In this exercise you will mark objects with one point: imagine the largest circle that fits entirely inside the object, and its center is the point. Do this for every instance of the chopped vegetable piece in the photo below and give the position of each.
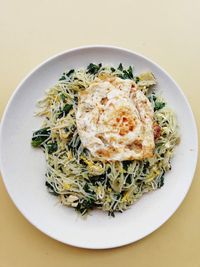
(40, 136)
(93, 69)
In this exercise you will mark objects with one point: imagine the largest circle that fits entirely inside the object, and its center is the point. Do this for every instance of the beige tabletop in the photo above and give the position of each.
(167, 32)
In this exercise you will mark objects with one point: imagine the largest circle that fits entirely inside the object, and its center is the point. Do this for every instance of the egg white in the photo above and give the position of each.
(115, 120)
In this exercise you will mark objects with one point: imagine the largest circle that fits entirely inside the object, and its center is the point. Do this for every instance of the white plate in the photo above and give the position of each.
(23, 168)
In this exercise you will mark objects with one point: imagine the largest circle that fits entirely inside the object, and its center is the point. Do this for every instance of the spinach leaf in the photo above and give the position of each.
(51, 189)
(145, 167)
(126, 164)
(65, 110)
(40, 136)
(86, 188)
(120, 67)
(63, 97)
(52, 147)
(93, 69)
(137, 79)
(65, 75)
(129, 179)
(130, 72)
(159, 105)
(111, 213)
(76, 99)
(161, 181)
(85, 205)
(98, 178)
(68, 74)
(126, 74)
(154, 98)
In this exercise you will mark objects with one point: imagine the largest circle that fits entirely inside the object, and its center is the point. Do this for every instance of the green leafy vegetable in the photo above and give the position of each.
(137, 79)
(85, 205)
(126, 73)
(154, 98)
(98, 179)
(159, 105)
(161, 181)
(40, 136)
(93, 69)
(65, 110)
(70, 73)
(120, 67)
(145, 167)
(86, 188)
(129, 179)
(63, 97)
(111, 213)
(130, 72)
(65, 75)
(51, 189)
(126, 164)
(52, 147)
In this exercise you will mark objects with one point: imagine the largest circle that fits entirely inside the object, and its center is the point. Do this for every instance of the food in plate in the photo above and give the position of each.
(107, 136)
(115, 120)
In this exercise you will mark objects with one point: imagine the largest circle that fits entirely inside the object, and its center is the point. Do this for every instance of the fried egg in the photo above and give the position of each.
(115, 120)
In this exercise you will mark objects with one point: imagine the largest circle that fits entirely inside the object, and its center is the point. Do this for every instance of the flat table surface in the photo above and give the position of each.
(167, 32)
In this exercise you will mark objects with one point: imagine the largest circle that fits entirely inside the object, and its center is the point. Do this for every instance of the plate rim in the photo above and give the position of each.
(81, 48)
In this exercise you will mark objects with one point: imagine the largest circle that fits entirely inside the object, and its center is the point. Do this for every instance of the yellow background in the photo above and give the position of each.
(166, 31)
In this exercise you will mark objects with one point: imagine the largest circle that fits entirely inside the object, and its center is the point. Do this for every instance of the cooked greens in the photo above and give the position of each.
(40, 136)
